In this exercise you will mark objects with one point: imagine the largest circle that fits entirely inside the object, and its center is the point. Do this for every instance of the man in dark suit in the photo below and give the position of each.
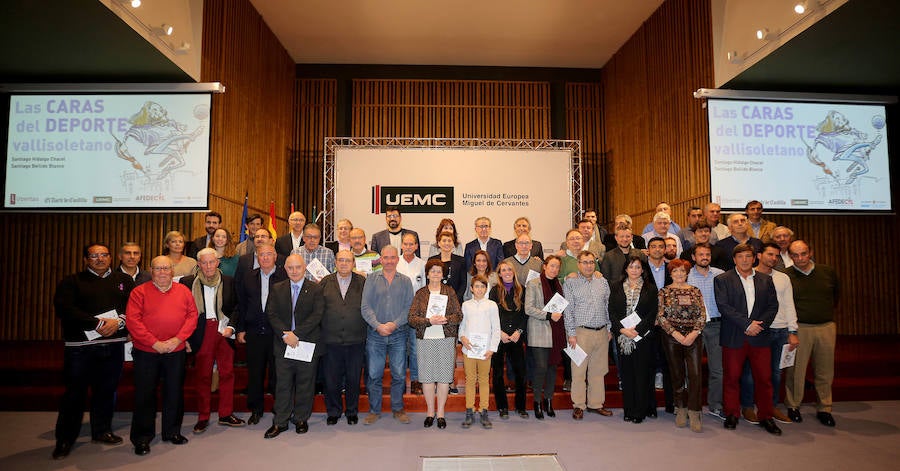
(286, 244)
(211, 224)
(250, 261)
(748, 304)
(295, 311)
(609, 241)
(394, 233)
(211, 342)
(522, 226)
(485, 242)
(613, 265)
(253, 327)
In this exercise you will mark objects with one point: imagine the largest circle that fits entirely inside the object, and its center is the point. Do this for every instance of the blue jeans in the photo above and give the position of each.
(711, 334)
(411, 352)
(777, 339)
(394, 348)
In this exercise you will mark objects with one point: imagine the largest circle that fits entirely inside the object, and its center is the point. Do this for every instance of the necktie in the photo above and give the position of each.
(295, 292)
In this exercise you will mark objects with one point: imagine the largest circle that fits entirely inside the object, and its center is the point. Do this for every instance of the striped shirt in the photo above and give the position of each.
(705, 284)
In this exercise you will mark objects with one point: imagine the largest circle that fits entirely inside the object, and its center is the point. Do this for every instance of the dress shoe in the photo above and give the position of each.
(794, 415)
(401, 416)
(62, 450)
(567, 385)
(780, 417)
(750, 415)
(547, 407)
(578, 414)
(177, 439)
(275, 430)
(538, 414)
(331, 420)
(825, 418)
(302, 426)
(652, 414)
(231, 421)
(453, 389)
(628, 418)
(142, 449)
(352, 419)
(429, 421)
(602, 411)
(201, 426)
(731, 422)
(770, 426)
(522, 413)
(504, 413)
(441, 422)
(254, 418)
(107, 438)
(637, 420)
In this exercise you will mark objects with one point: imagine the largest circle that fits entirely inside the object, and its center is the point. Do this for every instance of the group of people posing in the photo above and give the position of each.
(332, 313)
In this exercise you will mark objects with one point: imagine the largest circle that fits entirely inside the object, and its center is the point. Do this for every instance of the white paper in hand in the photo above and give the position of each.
(437, 306)
(787, 356)
(364, 266)
(93, 334)
(479, 344)
(302, 352)
(577, 354)
(631, 321)
(317, 270)
(556, 304)
(532, 275)
(223, 324)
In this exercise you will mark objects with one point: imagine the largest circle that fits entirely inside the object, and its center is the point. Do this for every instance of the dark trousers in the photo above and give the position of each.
(296, 388)
(685, 372)
(259, 357)
(149, 368)
(544, 374)
(760, 365)
(343, 369)
(661, 364)
(637, 379)
(516, 355)
(99, 368)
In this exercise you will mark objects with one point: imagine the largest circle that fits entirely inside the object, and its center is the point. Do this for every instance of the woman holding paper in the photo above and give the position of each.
(435, 314)
(225, 250)
(633, 303)
(682, 316)
(173, 247)
(454, 265)
(481, 265)
(479, 333)
(509, 295)
(546, 334)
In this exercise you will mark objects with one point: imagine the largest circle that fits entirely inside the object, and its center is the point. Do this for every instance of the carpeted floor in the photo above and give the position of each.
(866, 437)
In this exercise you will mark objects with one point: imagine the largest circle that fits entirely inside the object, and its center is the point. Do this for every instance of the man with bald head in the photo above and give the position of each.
(293, 240)
(816, 290)
(367, 261)
(295, 310)
(712, 212)
(663, 207)
(160, 317)
(523, 226)
(344, 335)
(386, 299)
(782, 236)
(250, 261)
(739, 228)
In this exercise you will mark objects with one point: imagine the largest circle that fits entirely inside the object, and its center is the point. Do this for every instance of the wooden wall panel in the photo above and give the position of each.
(656, 145)
(584, 122)
(446, 108)
(315, 106)
(251, 140)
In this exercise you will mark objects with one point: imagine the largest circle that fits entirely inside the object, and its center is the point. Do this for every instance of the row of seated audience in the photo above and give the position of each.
(340, 310)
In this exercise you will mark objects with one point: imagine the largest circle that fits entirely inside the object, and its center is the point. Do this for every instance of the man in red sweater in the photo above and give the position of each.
(161, 315)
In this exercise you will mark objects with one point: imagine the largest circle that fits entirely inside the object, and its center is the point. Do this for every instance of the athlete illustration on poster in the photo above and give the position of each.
(155, 144)
(845, 144)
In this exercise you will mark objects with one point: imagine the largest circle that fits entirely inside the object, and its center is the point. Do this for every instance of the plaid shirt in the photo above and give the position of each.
(588, 303)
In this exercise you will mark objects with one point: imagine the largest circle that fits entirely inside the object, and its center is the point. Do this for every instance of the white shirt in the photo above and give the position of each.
(481, 317)
(787, 315)
(786, 259)
(749, 290)
(415, 270)
(209, 302)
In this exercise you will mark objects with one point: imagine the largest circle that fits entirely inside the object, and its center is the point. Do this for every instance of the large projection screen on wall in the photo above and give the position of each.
(814, 157)
(430, 184)
(87, 151)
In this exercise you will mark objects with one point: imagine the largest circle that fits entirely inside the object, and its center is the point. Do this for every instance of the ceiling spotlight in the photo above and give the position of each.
(800, 8)
(168, 29)
(761, 33)
(135, 3)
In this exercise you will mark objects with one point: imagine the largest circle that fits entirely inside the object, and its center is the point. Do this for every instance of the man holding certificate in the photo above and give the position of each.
(587, 322)
(295, 310)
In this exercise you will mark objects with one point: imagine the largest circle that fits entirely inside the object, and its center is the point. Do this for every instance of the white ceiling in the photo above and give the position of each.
(523, 33)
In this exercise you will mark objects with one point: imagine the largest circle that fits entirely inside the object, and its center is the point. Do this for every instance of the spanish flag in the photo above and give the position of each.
(272, 221)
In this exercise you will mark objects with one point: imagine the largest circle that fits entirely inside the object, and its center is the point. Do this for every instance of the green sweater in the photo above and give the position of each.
(816, 294)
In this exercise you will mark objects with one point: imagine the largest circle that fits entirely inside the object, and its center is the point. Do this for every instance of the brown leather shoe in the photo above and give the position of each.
(750, 415)
(779, 416)
(577, 414)
(602, 411)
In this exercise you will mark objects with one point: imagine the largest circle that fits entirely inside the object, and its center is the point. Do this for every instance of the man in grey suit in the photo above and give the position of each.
(394, 233)
(295, 310)
(344, 336)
